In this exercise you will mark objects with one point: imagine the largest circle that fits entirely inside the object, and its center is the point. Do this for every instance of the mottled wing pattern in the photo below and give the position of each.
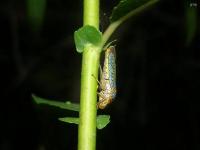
(108, 79)
(112, 67)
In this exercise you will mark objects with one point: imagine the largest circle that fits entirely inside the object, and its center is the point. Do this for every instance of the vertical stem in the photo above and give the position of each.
(91, 13)
(90, 65)
(87, 124)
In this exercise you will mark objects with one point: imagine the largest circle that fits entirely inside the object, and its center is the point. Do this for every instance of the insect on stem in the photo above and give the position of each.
(107, 79)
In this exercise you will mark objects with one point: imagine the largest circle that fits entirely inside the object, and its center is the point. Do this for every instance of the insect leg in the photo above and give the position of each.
(101, 84)
(102, 96)
(96, 80)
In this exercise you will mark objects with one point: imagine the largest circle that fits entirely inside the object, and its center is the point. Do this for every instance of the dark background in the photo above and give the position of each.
(158, 78)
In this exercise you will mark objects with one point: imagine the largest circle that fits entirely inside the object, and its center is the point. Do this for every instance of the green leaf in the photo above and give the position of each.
(35, 13)
(128, 8)
(74, 120)
(63, 105)
(191, 23)
(102, 120)
(87, 35)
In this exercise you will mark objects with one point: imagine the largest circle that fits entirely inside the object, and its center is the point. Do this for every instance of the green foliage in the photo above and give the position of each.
(63, 105)
(35, 12)
(87, 35)
(123, 11)
(126, 7)
(102, 120)
(73, 120)
(191, 23)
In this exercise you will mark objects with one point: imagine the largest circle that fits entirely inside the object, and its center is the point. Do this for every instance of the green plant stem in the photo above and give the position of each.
(88, 99)
(114, 25)
(91, 13)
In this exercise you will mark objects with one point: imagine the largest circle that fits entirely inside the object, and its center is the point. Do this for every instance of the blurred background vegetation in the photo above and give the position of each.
(158, 70)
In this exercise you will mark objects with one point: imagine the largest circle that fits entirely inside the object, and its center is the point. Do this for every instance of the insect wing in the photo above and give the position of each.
(112, 66)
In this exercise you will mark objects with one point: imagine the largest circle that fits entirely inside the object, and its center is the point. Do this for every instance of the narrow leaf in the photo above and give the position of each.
(87, 35)
(102, 120)
(63, 105)
(191, 23)
(74, 120)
